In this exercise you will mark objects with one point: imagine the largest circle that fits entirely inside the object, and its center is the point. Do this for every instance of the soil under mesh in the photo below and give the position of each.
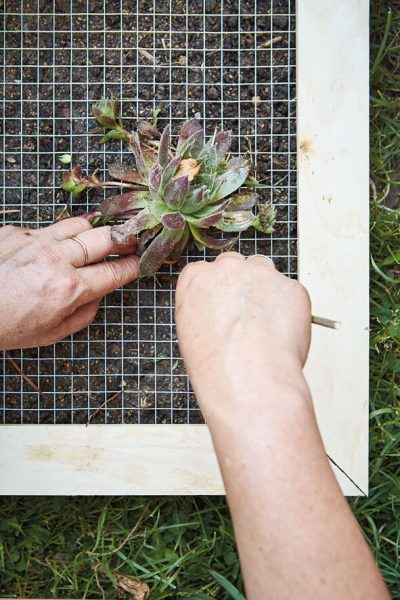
(235, 70)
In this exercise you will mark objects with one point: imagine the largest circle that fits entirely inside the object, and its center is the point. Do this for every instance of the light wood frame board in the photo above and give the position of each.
(333, 182)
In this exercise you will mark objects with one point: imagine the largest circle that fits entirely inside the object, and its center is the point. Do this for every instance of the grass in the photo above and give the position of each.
(184, 547)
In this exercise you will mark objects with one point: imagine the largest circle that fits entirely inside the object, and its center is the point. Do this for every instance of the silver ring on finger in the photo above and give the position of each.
(84, 248)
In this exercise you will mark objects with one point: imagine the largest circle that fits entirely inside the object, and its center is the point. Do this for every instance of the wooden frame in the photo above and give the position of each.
(332, 120)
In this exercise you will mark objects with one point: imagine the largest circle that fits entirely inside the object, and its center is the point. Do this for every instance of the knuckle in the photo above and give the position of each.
(229, 268)
(64, 287)
(189, 273)
(300, 291)
(116, 271)
(85, 223)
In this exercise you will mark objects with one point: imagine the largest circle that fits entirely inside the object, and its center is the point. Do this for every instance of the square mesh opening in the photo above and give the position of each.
(229, 62)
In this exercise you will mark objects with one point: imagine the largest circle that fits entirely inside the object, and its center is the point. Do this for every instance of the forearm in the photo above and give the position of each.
(296, 535)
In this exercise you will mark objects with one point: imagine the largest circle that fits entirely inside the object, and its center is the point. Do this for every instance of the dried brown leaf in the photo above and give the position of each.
(138, 589)
(189, 167)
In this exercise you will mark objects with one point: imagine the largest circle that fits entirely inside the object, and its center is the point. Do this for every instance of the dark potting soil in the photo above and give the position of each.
(186, 58)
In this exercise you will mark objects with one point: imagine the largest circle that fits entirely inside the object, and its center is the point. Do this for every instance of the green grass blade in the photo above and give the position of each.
(227, 585)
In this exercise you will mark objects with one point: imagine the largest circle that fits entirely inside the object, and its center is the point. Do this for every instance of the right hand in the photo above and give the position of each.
(239, 319)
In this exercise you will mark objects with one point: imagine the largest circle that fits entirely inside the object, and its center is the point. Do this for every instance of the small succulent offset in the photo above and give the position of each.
(175, 193)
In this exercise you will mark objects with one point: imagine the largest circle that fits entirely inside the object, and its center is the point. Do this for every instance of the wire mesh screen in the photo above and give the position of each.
(229, 62)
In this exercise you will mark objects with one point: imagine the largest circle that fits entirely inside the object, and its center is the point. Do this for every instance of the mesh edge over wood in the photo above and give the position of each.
(231, 63)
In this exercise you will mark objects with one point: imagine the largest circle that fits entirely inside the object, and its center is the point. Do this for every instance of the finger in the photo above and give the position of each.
(79, 319)
(103, 278)
(67, 228)
(98, 245)
(262, 260)
(229, 256)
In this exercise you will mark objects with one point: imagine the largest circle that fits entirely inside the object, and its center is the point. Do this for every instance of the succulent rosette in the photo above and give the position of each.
(176, 193)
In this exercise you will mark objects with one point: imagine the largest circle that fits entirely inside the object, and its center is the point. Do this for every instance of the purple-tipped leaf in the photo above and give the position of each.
(124, 203)
(159, 250)
(236, 221)
(242, 201)
(205, 222)
(222, 143)
(173, 220)
(193, 145)
(147, 130)
(155, 181)
(171, 169)
(234, 176)
(103, 119)
(146, 236)
(187, 130)
(163, 157)
(176, 191)
(211, 209)
(179, 246)
(124, 172)
(125, 234)
(138, 154)
(204, 239)
(106, 112)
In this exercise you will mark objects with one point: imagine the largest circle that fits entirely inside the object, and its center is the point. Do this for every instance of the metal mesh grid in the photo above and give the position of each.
(231, 61)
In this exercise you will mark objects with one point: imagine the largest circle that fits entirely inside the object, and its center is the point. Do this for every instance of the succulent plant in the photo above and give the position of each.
(106, 113)
(175, 193)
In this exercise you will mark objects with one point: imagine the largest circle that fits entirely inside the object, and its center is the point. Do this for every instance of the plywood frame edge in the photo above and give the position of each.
(333, 220)
(332, 124)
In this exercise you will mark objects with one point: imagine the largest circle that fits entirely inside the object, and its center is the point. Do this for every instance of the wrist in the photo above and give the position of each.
(251, 389)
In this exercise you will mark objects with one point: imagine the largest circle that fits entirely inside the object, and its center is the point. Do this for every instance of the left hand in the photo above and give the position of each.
(51, 286)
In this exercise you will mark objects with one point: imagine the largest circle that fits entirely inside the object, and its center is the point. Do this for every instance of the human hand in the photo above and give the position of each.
(50, 290)
(240, 321)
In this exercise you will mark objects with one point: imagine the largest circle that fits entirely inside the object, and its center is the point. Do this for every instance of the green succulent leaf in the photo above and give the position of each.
(208, 241)
(176, 191)
(171, 169)
(124, 203)
(159, 250)
(197, 200)
(125, 172)
(266, 219)
(106, 112)
(125, 233)
(205, 222)
(74, 182)
(218, 147)
(242, 201)
(234, 176)
(209, 216)
(114, 134)
(252, 182)
(236, 221)
(211, 209)
(193, 146)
